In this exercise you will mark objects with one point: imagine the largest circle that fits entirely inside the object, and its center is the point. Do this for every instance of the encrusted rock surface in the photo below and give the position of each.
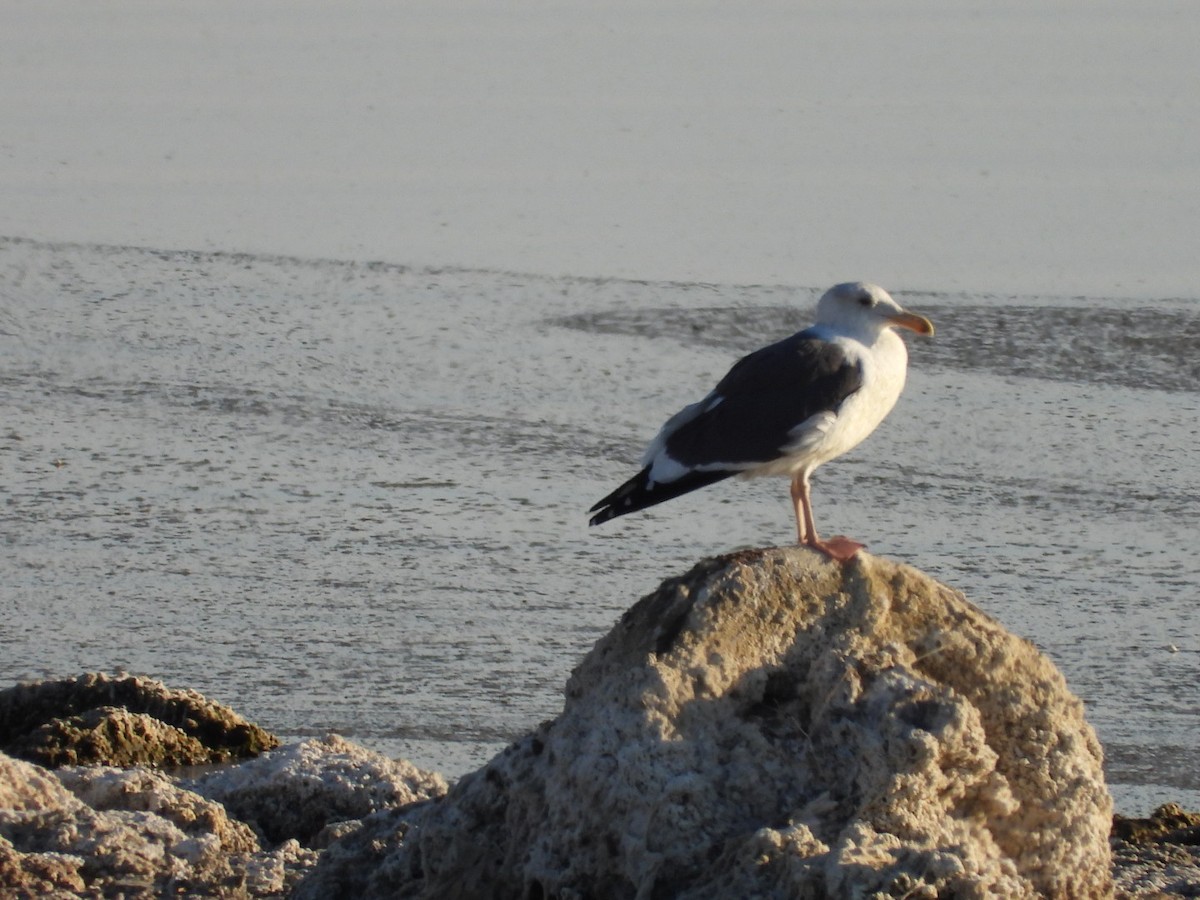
(107, 832)
(296, 791)
(768, 725)
(241, 831)
(1157, 857)
(97, 719)
(773, 725)
(109, 736)
(96, 830)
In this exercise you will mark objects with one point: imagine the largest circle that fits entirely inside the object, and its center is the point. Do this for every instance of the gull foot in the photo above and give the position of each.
(840, 548)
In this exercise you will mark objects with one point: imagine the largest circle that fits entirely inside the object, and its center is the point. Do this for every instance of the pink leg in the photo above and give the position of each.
(839, 548)
(800, 501)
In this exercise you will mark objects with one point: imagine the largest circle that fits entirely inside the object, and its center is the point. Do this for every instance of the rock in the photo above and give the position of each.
(26, 791)
(1169, 823)
(106, 832)
(105, 789)
(296, 791)
(128, 720)
(109, 736)
(93, 830)
(38, 876)
(1158, 857)
(772, 725)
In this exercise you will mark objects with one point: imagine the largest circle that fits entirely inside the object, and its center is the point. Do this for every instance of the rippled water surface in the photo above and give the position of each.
(351, 496)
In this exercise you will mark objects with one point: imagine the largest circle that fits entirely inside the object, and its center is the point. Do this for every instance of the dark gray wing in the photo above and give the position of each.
(764, 397)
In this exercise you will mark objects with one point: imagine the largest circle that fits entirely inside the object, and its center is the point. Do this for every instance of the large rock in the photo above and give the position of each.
(773, 725)
(97, 719)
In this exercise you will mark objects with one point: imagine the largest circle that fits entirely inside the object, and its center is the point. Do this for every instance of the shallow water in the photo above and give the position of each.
(351, 496)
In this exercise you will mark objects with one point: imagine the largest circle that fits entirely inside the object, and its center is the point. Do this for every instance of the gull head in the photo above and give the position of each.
(861, 308)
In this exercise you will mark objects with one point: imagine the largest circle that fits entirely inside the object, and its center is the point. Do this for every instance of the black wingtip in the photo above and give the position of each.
(639, 493)
(601, 517)
(621, 500)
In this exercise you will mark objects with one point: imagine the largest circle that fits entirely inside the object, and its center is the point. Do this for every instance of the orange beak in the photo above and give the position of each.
(912, 322)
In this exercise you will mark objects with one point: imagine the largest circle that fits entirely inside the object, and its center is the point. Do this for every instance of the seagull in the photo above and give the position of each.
(784, 410)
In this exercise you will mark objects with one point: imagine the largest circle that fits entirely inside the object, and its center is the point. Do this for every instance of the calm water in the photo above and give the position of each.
(351, 496)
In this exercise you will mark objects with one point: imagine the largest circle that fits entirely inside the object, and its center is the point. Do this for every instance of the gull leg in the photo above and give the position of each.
(800, 501)
(839, 548)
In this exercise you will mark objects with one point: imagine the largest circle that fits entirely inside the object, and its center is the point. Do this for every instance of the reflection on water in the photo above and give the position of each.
(350, 496)
(1131, 346)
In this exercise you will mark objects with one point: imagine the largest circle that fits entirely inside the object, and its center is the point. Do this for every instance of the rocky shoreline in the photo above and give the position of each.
(767, 724)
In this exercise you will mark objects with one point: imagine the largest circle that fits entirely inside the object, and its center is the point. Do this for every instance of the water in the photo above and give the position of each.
(351, 496)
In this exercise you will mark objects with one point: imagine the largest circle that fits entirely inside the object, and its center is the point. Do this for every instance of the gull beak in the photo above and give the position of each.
(912, 322)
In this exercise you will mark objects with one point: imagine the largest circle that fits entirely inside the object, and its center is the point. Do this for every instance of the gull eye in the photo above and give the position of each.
(866, 300)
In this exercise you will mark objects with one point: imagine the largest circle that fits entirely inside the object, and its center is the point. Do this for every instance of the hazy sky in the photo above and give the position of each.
(1013, 146)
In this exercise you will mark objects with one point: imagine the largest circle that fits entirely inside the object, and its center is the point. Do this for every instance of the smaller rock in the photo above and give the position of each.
(276, 872)
(127, 720)
(109, 832)
(98, 830)
(1169, 823)
(109, 736)
(1158, 857)
(29, 788)
(298, 790)
(25, 791)
(106, 789)
(50, 876)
